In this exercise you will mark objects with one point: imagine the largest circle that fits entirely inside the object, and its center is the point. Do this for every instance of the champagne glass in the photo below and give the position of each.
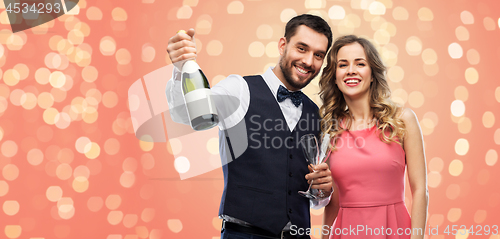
(311, 152)
(324, 154)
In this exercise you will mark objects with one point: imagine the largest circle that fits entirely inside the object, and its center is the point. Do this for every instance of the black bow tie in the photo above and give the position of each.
(295, 96)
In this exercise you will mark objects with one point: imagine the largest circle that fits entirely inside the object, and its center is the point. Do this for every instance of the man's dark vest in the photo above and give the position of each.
(261, 185)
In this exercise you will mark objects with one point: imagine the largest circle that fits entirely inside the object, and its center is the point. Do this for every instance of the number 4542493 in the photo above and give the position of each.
(33, 8)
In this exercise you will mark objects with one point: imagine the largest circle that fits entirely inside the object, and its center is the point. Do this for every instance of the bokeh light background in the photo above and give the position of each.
(71, 166)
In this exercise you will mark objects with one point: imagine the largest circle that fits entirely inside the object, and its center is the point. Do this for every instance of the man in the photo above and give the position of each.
(261, 182)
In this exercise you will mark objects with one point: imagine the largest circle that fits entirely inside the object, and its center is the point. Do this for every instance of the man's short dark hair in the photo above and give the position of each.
(316, 23)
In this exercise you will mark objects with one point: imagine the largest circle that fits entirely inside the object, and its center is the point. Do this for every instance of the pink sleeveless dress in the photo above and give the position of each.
(370, 177)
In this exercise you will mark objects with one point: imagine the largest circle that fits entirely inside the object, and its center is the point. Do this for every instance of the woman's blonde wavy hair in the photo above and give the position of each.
(334, 109)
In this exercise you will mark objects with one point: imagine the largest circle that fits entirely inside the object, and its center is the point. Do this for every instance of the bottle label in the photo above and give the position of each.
(199, 102)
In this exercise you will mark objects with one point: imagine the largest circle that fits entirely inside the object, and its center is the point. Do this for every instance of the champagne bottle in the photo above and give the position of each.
(197, 95)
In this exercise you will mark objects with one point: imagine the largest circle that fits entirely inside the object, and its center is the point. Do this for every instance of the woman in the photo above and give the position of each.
(374, 140)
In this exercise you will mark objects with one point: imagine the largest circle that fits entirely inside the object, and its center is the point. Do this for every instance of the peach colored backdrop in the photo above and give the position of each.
(71, 166)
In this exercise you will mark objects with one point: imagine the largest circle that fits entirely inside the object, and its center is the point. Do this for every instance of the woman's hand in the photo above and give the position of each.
(322, 178)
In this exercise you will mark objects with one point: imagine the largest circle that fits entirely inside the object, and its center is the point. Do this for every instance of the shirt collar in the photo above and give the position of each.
(272, 81)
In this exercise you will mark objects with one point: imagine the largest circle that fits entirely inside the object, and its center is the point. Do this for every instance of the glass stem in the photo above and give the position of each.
(309, 189)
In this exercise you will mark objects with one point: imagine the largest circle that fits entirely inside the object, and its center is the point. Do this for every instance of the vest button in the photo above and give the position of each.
(289, 192)
(291, 156)
(291, 139)
(289, 210)
(290, 174)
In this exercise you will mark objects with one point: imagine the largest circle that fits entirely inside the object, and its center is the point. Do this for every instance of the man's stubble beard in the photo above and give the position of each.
(287, 73)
